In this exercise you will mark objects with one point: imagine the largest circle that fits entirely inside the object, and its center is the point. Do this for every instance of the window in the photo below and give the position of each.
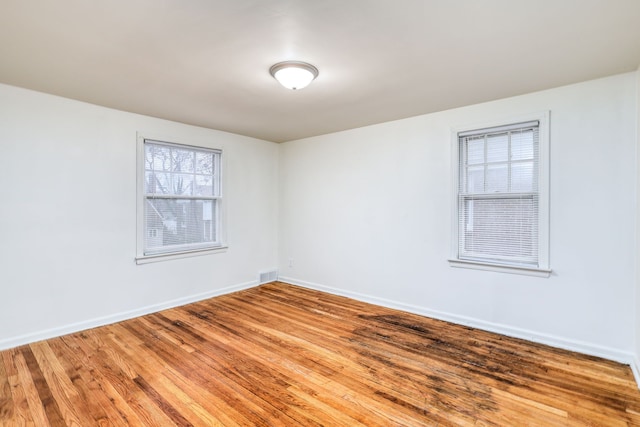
(179, 206)
(502, 198)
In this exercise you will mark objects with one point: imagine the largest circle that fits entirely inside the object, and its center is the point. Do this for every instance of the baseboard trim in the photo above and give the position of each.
(554, 341)
(125, 315)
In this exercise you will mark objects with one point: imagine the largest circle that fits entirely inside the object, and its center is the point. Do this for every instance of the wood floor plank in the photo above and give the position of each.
(174, 401)
(29, 377)
(281, 355)
(111, 401)
(248, 404)
(21, 415)
(7, 404)
(121, 379)
(216, 407)
(59, 384)
(86, 381)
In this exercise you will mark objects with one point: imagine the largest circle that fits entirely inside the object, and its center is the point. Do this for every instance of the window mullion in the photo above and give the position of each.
(486, 166)
(509, 161)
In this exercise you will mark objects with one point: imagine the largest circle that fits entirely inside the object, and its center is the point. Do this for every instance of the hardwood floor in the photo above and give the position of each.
(280, 355)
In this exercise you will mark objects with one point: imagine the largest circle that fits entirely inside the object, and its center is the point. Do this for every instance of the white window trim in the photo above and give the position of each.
(543, 269)
(141, 258)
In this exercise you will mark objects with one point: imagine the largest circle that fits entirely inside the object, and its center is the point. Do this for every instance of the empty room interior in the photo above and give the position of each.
(319, 213)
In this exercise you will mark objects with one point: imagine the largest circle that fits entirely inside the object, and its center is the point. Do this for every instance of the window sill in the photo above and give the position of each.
(512, 269)
(146, 259)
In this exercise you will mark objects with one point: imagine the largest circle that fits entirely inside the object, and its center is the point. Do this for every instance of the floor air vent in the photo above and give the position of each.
(268, 276)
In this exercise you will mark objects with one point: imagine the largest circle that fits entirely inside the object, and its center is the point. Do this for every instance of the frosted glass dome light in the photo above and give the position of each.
(294, 74)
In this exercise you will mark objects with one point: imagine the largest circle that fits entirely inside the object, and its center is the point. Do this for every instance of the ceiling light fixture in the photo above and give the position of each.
(294, 74)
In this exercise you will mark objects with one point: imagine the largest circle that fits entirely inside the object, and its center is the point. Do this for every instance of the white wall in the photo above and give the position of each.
(68, 217)
(367, 213)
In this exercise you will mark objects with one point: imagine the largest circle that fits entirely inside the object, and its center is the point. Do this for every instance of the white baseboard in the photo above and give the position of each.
(554, 341)
(125, 315)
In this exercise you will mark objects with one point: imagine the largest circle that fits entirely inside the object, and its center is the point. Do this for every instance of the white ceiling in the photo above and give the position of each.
(206, 62)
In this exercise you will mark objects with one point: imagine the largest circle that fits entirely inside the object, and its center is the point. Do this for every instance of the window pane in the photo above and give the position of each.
(204, 185)
(204, 163)
(497, 178)
(522, 145)
(498, 148)
(475, 179)
(159, 156)
(182, 160)
(157, 183)
(148, 157)
(501, 228)
(171, 222)
(150, 183)
(475, 150)
(182, 184)
(522, 177)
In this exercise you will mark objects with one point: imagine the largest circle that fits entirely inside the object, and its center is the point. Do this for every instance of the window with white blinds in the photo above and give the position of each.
(181, 198)
(498, 197)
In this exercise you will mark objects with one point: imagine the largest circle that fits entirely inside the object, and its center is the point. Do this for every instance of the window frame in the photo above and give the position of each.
(543, 268)
(141, 198)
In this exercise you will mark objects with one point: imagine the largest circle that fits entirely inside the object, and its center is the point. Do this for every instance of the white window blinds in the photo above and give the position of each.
(498, 198)
(181, 198)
